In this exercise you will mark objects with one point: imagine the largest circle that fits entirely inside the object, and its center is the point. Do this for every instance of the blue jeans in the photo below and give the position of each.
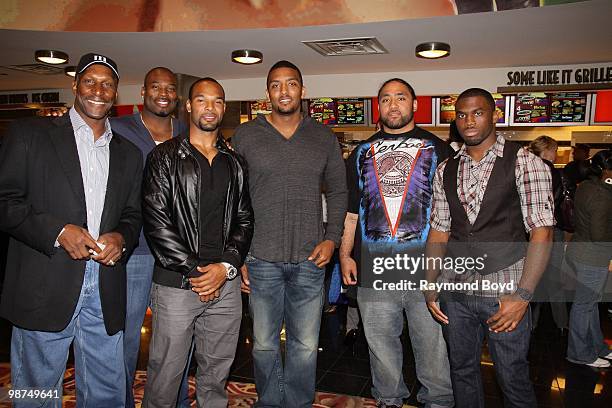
(464, 333)
(292, 292)
(139, 277)
(586, 341)
(38, 359)
(382, 314)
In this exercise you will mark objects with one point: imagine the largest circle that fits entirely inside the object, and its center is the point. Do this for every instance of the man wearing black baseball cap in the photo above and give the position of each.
(90, 59)
(70, 201)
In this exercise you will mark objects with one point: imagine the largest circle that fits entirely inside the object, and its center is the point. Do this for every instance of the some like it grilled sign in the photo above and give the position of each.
(589, 75)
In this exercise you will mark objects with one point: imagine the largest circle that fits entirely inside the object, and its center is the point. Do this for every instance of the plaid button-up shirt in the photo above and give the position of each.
(534, 186)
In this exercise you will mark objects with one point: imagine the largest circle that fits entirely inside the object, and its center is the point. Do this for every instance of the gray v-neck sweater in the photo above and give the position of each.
(286, 177)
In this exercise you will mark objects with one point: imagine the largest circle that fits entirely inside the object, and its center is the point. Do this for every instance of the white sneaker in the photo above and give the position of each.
(608, 356)
(599, 363)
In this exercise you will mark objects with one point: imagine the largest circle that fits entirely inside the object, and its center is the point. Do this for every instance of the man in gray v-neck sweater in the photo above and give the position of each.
(285, 180)
(285, 268)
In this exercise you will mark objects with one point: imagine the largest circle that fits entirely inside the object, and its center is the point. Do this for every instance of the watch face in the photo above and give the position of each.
(232, 272)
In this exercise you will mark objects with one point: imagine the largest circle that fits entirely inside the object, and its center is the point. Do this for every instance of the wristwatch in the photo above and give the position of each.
(230, 271)
(524, 294)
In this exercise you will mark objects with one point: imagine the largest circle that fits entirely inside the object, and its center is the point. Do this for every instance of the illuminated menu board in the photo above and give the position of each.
(500, 107)
(323, 110)
(531, 108)
(446, 112)
(351, 111)
(551, 109)
(338, 111)
(261, 107)
(568, 107)
(446, 109)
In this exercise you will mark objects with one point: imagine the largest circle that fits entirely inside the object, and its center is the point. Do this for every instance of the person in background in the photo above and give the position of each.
(146, 129)
(545, 147)
(289, 156)
(590, 251)
(70, 200)
(576, 171)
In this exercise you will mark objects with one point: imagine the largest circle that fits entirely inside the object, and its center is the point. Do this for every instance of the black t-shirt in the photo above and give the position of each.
(214, 182)
(390, 187)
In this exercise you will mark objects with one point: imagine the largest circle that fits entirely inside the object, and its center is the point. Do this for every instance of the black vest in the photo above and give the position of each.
(498, 234)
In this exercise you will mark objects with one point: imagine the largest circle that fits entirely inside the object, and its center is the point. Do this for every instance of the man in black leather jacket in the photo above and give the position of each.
(198, 221)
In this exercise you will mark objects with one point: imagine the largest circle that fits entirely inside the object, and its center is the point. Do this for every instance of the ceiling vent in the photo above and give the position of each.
(38, 69)
(347, 46)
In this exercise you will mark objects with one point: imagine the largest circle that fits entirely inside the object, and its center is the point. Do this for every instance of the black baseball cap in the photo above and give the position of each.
(90, 59)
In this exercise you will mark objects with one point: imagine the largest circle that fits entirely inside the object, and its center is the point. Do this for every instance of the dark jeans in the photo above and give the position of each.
(464, 334)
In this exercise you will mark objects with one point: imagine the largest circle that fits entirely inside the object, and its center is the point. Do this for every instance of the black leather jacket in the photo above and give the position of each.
(170, 195)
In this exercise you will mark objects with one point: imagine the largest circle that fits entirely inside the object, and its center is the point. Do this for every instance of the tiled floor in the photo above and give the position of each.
(558, 383)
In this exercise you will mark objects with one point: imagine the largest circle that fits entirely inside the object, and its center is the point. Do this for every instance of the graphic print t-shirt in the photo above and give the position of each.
(390, 188)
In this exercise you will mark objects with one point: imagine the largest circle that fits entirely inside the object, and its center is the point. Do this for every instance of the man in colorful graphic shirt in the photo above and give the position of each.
(390, 188)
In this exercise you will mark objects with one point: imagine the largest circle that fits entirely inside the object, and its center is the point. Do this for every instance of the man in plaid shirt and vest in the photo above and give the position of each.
(492, 205)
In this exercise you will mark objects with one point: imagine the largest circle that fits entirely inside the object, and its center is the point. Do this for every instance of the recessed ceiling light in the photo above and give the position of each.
(70, 71)
(51, 57)
(247, 57)
(432, 50)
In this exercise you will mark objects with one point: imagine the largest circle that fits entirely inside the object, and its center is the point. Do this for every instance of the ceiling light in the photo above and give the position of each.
(70, 71)
(432, 50)
(51, 57)
(247, 57)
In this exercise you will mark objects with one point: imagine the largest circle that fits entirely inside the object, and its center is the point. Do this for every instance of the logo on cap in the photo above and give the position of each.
(91, 58)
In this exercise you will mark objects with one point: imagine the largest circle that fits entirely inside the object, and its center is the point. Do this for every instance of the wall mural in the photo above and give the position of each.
(191, 15)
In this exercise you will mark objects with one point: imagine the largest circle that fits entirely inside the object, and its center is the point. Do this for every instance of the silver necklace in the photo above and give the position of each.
(151, 133)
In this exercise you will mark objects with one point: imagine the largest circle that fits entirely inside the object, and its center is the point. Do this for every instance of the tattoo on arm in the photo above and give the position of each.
(348, 237)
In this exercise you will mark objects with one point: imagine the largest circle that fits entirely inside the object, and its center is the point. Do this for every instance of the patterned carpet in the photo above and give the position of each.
(241, 395)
